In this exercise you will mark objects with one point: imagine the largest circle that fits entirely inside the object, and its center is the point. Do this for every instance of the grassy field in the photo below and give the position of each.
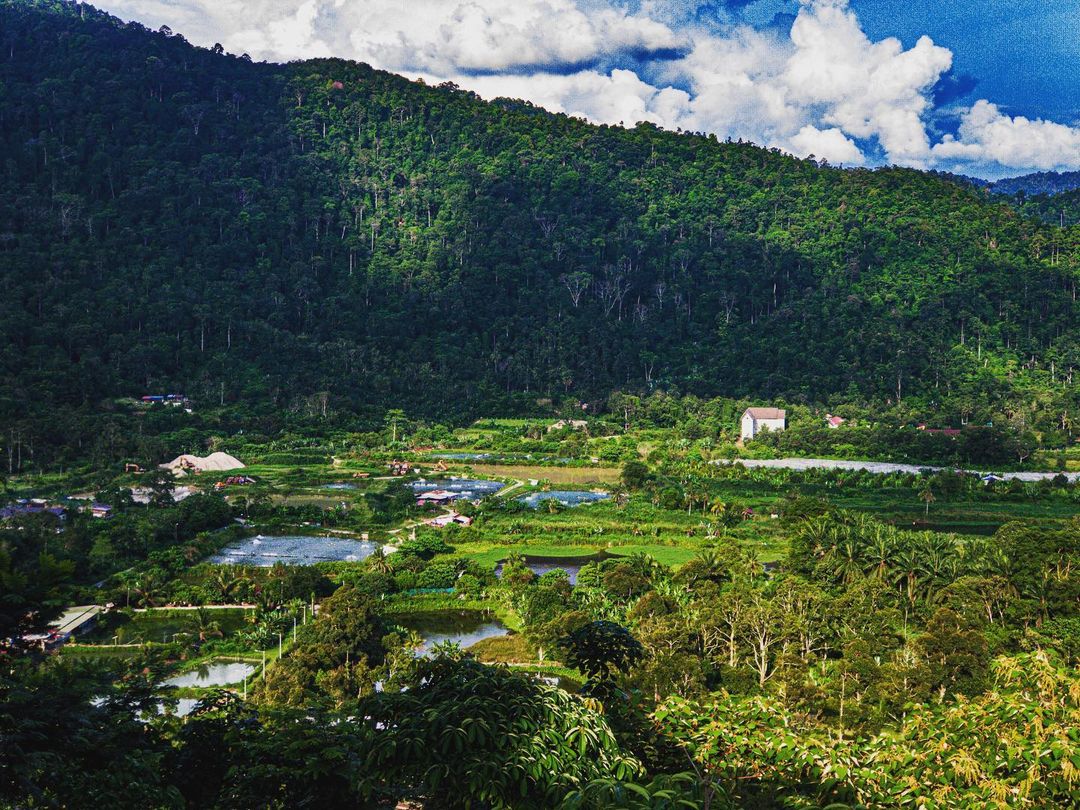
(904, 508)
(671, 536)
(667, 555)
(556, 475)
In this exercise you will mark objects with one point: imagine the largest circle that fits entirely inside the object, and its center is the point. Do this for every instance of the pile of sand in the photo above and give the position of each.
(215, 462)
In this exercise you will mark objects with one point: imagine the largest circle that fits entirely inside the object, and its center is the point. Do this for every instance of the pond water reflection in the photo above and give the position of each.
(571, 565)
(293, 550)
(463, 487)
(462, 627)
(567, 497)
(214, 673)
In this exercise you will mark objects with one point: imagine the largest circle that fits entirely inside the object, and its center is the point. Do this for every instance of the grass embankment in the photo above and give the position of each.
(903, 506)
(399, 605)
(671, 536)
(160, 625)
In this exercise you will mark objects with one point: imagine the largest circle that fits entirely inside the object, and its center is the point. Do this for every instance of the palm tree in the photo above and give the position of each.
(880, 551)
(147, 587)
(909, 567)
(847, 560)
(752, 564)
(819, 535)
(128, 579)
(203, 624)
(927, 496)
(645, 564)
(378, 562)
(226, 581)
(689, 498)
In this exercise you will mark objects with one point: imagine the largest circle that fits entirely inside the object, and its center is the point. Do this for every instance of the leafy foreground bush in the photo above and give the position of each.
(469, 735)
(1016, 745)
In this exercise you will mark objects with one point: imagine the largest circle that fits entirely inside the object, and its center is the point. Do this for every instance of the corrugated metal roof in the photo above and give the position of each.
(767, 413)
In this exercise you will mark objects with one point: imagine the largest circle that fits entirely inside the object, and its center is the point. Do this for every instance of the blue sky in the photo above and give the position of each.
(1025, 54)
(983, 87)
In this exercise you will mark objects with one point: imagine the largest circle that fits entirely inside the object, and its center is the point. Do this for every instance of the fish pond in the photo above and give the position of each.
(463, 487)
(462, 627)
(213, 673)
(184, 707)
(263, 550)
(567, 497)
(571, 565)
(461, 456)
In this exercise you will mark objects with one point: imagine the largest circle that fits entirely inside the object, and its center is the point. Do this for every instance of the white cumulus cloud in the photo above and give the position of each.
(988, 136)
(829, 144)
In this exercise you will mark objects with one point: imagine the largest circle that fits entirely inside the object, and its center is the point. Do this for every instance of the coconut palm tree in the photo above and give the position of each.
(147, 587)
(819, 535)
(202, 623)
(846, 562)
(880, 551)
(908, 569)
(927, 497)
(378, 562)
(225, 579)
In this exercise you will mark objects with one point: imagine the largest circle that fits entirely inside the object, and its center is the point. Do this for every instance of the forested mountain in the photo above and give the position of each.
(179, 218)
(1056, 209)
(1038, 183)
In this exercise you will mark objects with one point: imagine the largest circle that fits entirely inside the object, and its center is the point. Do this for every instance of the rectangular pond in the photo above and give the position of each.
(291, 549)
(471, 488)
(462, 627)
(213, 673)
(571, 565)
(567, 497)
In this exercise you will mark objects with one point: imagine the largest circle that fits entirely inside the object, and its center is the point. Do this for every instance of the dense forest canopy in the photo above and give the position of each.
(180, 219)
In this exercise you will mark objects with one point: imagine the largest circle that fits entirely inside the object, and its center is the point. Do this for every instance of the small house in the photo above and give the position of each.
(34, 506)
(755, 420)
(950, 432)
(834, 421)
(437, 497)
(77, 620)
(233, 481)
(573, 424)
(101, 510)
(450, 517)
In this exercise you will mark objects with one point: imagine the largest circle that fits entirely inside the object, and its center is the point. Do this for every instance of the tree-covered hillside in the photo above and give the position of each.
(177, 218)
(1045, 183)
(1056, 209)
